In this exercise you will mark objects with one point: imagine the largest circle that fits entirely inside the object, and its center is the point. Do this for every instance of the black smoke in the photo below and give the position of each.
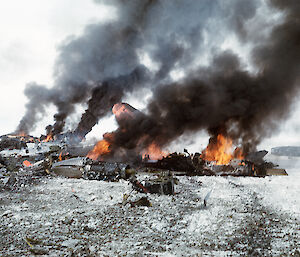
(172, 33)
(223, 96)
(105, 95)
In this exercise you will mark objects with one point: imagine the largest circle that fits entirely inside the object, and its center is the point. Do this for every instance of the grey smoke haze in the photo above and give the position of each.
(177, 35)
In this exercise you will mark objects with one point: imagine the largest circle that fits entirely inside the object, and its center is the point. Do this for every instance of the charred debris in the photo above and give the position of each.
(25, 159)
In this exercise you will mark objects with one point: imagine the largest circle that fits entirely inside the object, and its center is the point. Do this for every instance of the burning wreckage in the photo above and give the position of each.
(24, 158)
(234, 104)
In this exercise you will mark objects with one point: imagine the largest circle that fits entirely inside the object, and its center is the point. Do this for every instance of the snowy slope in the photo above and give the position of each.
(243, 217)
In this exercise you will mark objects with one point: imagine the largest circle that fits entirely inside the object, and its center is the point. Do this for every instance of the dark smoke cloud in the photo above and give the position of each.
(173, 33)
(38, 96)
(105, 64)
(81, 64)
(224, 97)
(105, 95)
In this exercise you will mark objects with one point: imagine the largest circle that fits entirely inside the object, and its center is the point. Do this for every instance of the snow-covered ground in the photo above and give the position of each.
(75, 217)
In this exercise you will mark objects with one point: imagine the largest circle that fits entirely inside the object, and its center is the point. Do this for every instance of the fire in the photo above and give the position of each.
(100, 149)
(153, 152)
(238, 154)
(21, 134)
(221, 151)
(60, 156)
(49, 138)
(27, 163)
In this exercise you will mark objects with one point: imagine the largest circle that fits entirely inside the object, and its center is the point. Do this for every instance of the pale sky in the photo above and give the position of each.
(30, 32)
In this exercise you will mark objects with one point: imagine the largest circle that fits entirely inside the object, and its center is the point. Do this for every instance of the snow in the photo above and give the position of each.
(32, 149)
(243, 217)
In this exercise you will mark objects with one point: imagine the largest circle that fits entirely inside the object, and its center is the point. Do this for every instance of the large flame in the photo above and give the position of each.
(153, 152)
(123, 111)
(100, 149)
(221, 151)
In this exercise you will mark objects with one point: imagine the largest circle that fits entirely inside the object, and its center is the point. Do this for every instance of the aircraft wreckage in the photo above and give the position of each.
(24, 159)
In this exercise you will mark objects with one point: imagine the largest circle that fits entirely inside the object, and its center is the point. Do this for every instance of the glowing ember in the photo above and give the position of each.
(27, 163)
(221, 151)
(153, 152)
(101, 148)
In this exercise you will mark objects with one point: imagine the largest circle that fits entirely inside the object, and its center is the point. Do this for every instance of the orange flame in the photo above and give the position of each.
(154, 152)
(221, 151)
(100, 149)
(49, 138)
(21, 134)
(27, 163)
(238, 154)
(60, 156)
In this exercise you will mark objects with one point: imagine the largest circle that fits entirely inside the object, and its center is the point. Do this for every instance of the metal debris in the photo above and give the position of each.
(143, 201)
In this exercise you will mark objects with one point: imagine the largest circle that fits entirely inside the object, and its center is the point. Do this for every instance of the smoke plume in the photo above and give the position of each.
(170, 32)
(224, 97)
(105, 95)
(217, 91)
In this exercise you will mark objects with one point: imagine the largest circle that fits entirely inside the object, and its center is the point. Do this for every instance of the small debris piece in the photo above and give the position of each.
(137, 185)
(72, 168)
(7, 214)
(206, 198)
(163, 185)
(276, 172)
(144, 201)
(38, 251)
(88, 229)
(31, 241)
